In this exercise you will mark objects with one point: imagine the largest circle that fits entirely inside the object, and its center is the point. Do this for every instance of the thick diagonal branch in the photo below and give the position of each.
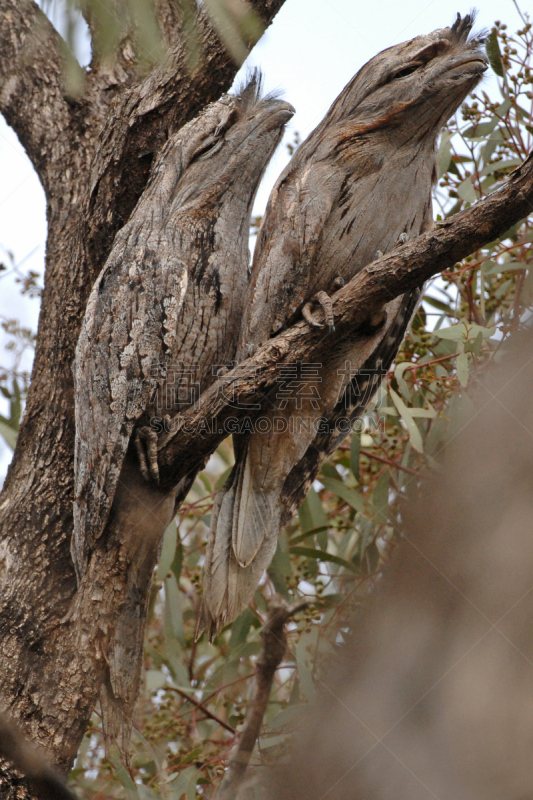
(401, 270)
(31, 97)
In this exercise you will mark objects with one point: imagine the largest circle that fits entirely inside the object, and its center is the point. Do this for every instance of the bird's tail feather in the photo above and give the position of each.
(242, 541)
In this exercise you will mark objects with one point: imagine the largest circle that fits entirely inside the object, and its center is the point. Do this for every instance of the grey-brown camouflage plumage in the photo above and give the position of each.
(170, 297)
(360, 183)
(163, 314)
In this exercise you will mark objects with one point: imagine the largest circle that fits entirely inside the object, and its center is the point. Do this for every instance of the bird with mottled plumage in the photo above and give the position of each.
(163, 316)
(170, 295)
(361, 183)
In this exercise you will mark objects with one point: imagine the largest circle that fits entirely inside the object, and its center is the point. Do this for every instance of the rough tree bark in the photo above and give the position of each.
(93, 154)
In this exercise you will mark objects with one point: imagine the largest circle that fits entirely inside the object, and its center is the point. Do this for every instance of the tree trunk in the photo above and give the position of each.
(93, 154)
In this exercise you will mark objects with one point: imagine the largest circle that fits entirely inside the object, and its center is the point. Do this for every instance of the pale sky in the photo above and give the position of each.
(309, 53)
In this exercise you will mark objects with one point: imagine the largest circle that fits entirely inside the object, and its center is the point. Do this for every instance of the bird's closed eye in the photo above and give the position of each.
(406, 71)
(210, 146)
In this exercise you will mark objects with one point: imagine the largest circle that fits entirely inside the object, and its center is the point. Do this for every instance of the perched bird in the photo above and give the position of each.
(163, 316)
(167, 306)
(360, 185)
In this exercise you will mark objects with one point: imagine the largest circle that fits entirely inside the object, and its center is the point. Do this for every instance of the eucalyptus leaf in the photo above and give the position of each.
(498, 166)
(15, 412)
(462, 368)
(155, 679)
(380, 499)
(168, 551)
(446, 347)
(467, 191)
(122, 774)
(350, 496)
(411, 426)
(475, 346)
(311, 512)
(280, 567)
(491, 144)
(173, 604)
(177, 563)
(493, 268)
(305, 676)
(8, 434)
(288, 716)
(438, 304)
(398, 374)
(425, 413)
(241, 628)
(444, 153)
(329, 470)
(322, 555)
(493, 52)
(185, 784)
(272, 741)
(235, 24)
(307, 534)
(392, 412)
(221, 480)
(146, 793)
(481, 130)
(355, 447)
(464, 331)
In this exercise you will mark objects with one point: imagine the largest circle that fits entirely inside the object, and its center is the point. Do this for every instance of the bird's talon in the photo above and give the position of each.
(146, 445)
(379, 254)
(339, 282)
(402, 238)
(327, 306)
(324, 300)
(307, 314)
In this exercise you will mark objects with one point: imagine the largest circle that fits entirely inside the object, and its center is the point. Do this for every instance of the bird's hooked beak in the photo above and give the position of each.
(479, 60)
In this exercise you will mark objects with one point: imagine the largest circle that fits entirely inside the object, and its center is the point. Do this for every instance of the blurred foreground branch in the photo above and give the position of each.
(44, 781)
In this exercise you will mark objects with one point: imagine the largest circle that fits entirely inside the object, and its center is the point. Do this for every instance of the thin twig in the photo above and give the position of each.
(274, 646)
(190, 666)
(201, 707)
(389, 461)
(44, 781)
(416, 366)
(226, 685)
